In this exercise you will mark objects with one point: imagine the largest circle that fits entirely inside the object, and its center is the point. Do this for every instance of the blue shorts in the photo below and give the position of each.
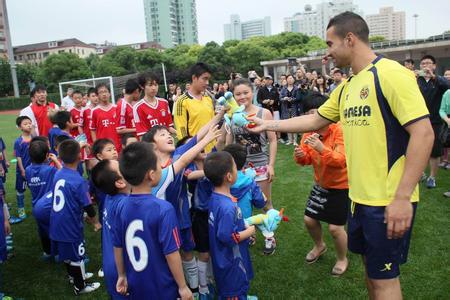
(21, 183)
(41, 212)
(187, 239)
(367, 235)
(73, 251)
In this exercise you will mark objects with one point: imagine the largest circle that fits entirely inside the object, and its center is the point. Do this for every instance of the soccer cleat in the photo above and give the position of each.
(447, 194)
(21, 213)
(281, 141)
(249, 297)
(100, 273)
(288, 143)
(423, 178)
(431, 183)
(9, 248)
(46, 257)
(15, 220)
(89, 287)
(87, 275)
(269, 246)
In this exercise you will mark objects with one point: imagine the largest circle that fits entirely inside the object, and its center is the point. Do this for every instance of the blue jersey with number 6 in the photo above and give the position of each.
(70, 196)
(146, 229)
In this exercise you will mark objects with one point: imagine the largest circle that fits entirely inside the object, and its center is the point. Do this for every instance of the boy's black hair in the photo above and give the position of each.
(61, 138)
(36, 89)
(91, 90)
(313, 101)
(104, 178)
(409, 60)
(239, 154)
(428, 56)
(131, 85)
(149, 136)
(217, 165)
(40, 138)
(60, 118)
(69, 151)
(199, 69)
(102, 85)
(20, 119)
(136, 161)
(147, 77)
(350, 22)
(124, 138)
(99, 145)
(77, 92)
(38, 151)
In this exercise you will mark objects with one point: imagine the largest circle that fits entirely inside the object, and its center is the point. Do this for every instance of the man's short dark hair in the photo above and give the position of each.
(409, 61)
(124, 138)
(239, 153)
(217, 165)
(91, 90)
(102, 85)
(38, 151)
(20, 119)
(69, 151)
(147, 78)
(313, 101)
(338, 71)
(149, 136)
(136, 161)
(350, 22)
(61, 118)
(199, 69)
(104, 178)
(430, 57)
(132, 85)
(77, 92)
(37, 88)
(99, 145)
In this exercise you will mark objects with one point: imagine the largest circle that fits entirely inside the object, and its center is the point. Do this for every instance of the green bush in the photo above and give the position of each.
(11, 103)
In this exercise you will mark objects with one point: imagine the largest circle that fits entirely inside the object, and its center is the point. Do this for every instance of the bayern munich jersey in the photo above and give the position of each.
(146, 116)
(103, 121)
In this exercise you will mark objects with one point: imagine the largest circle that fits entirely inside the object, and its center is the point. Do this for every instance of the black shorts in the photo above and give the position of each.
(328, 205)
(200, 230)
(437, 146)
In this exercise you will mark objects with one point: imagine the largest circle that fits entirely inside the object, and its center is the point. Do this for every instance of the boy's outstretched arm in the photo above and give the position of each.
(174, 262)
(190, 155)
(122, 283)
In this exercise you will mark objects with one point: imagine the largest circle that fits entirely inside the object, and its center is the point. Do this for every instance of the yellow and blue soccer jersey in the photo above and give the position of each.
(374, 107)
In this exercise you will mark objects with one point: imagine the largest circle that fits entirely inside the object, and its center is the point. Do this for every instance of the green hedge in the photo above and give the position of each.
(11, 103)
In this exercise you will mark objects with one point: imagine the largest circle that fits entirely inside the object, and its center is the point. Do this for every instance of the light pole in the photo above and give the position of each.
(9, 49)
(415, 16)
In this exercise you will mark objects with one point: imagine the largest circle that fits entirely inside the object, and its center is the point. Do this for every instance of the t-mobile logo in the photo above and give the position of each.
(105, 123)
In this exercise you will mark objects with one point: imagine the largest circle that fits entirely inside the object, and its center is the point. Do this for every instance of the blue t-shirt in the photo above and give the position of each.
(42, 210)
(39, 179)
(176, 192)
(200, 190)
(147, 231)
(248, 193)
(70, 196)
(21, 150)
(52, 134)
(3, 161)
(230, 257)
(110, 217)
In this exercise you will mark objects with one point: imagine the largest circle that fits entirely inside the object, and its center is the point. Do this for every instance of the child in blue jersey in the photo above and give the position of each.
(70, 200)
(5, 229)
(106, 177)
(175, 190)
(4, 163)
(39, 176)
(23, 160)
(146, 237)
(228, 237)
(245, 189)
(62, 123)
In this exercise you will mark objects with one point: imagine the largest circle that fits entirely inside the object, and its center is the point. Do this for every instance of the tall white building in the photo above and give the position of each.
(314, 22)
(387, 23)
(237, 30)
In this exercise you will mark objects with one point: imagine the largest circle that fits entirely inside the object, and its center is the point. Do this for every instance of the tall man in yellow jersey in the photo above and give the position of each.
(388, 139)
(194, 108)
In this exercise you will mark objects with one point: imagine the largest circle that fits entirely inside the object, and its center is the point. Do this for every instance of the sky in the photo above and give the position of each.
(122, 21)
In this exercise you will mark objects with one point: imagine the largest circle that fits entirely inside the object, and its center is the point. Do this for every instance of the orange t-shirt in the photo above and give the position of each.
(330, 169)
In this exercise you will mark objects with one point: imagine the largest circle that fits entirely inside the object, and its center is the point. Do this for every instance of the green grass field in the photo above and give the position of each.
(281, 276)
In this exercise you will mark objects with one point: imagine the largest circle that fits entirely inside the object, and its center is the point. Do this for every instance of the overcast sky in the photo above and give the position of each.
(122, 21)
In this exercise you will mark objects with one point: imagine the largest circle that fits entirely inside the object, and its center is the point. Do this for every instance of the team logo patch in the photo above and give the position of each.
(364, 93)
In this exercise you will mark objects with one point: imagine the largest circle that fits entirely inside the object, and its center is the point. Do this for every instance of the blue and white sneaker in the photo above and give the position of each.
(431, 182)
(15, 220)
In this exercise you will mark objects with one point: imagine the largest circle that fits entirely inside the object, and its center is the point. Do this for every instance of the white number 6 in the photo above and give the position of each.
(58, 200)
(132, 242)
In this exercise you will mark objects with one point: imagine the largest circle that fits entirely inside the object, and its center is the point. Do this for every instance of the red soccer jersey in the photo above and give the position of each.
(85, 122)
(124, 115)
(104, 123)
(41, 115)
(75, 114)
(146, 116)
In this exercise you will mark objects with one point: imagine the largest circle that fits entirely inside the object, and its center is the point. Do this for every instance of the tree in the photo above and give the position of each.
(148, 59)
(376, 39)
(5, 78)
(217, 58)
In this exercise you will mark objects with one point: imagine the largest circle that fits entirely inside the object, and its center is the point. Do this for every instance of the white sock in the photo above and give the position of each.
(191, 272)
(202, 280)
(209, 271)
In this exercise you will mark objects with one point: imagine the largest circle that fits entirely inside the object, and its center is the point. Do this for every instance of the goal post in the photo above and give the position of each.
(85, 84)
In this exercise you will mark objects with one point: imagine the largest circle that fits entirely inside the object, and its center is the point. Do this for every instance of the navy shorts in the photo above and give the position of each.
(187, 239)
(367, 235)
(21, 183)
(73, 251)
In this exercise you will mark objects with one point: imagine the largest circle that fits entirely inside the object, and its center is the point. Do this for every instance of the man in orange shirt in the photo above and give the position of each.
(328, 201)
